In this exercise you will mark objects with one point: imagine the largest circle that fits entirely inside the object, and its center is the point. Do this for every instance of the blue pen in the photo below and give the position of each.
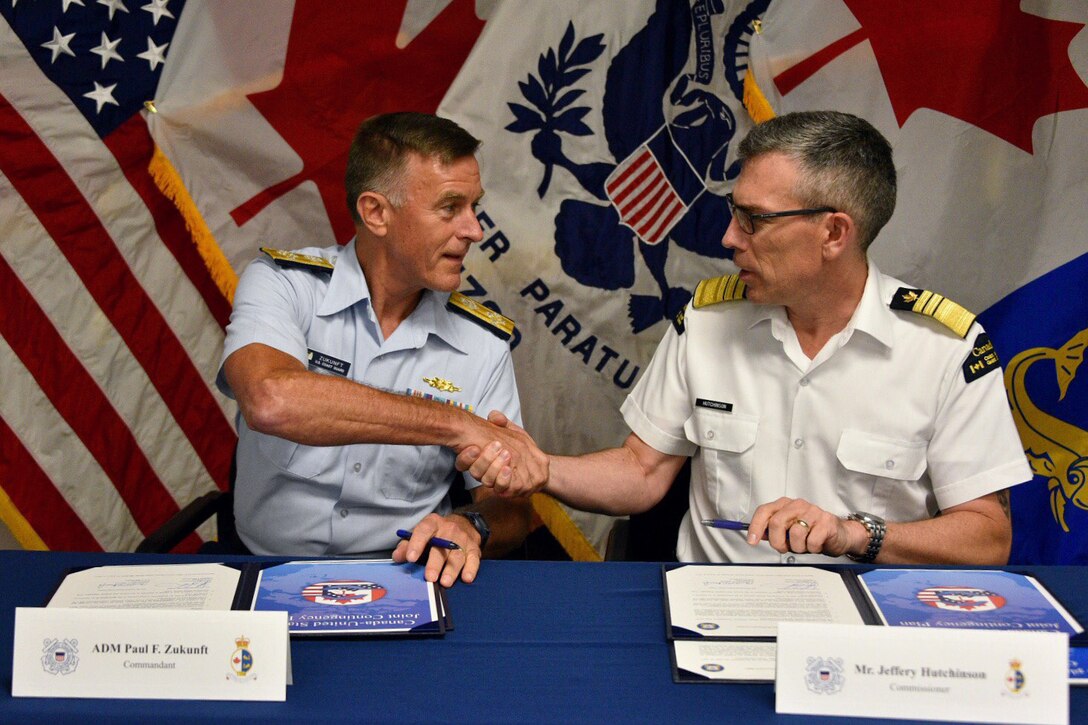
(435, 541)
(725, 524)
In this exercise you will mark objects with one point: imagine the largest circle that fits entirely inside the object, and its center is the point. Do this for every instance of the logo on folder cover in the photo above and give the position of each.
(961, 599)
(344, 593)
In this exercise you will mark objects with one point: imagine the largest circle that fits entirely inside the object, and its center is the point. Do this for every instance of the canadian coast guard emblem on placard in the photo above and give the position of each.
(241, 660)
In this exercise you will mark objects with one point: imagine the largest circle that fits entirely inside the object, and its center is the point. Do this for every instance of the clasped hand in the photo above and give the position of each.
(511, 463)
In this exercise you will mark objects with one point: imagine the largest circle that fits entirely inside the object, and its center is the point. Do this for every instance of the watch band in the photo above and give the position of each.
(876, 528)
(479, 523)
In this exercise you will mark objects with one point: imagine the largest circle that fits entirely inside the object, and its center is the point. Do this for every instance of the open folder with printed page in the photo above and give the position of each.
(342, 597)
(721, 619)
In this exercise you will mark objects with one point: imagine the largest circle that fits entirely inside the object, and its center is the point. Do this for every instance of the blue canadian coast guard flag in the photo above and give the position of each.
(149, 147)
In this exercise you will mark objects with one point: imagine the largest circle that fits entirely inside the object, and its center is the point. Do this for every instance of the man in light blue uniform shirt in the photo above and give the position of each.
(360, 373)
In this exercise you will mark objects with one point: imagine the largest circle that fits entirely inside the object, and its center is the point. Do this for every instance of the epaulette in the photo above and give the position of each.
(473, 310)
(288, 259)
(931, 304)
(726, 288)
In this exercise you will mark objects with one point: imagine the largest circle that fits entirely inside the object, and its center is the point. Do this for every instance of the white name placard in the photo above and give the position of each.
(143, 653)
(929, 674)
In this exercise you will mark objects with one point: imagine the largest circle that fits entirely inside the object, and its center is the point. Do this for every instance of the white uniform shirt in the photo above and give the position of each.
(293, 499)
(882, 420)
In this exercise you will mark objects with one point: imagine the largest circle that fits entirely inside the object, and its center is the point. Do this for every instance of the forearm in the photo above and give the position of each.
(319, 410)
(955, 537)
(978, 532)
(279, 396)
(618, 481)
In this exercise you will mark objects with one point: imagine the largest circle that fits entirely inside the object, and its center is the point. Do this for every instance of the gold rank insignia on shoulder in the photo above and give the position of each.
(442, 384)
(473, 310)
(931, 304)
(727, 288)
(284, 258)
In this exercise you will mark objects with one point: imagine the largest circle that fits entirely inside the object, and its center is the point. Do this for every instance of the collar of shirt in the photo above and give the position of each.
(872, 315)
(348, 287)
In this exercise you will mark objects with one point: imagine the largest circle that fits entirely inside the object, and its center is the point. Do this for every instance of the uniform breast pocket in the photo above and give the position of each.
(410, 472)
(879, 470)
(309, 462)
(728, 442)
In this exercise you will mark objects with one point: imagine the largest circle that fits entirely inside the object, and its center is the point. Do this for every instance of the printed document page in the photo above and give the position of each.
(171, 586)
(750, 601)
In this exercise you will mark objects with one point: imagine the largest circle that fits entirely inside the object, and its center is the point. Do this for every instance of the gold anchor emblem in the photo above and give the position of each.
(441, 384)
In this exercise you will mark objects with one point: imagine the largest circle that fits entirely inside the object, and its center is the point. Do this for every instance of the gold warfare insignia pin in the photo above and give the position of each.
(442, 384)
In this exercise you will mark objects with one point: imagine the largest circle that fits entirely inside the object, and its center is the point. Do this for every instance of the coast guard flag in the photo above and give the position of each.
(112, 325)
(609, 131)
(986, 106)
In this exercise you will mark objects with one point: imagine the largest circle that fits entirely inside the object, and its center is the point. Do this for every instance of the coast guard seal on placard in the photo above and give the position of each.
(824, 675)
(961, 599)
(60, 656)
(343, 593)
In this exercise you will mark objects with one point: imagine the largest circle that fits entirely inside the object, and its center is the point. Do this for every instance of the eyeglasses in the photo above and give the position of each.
(747, 220)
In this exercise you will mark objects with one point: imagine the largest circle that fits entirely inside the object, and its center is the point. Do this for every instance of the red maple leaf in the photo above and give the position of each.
(984, 62)
(342, 67)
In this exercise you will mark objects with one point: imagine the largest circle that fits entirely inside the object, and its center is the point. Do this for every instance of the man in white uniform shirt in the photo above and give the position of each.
(836, 410)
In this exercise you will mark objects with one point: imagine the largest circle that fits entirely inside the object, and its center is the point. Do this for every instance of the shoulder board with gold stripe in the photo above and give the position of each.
(931, 304)
(285, 258)
(473, 310)
(727, 288)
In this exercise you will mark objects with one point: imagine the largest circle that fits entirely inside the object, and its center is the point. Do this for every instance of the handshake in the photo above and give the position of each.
(501, 455)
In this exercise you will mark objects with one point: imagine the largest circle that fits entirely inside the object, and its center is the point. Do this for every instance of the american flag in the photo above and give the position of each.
(111, 324)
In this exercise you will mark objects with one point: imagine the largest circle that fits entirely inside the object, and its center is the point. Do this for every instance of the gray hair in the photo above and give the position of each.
(380, 151)
(845, 163)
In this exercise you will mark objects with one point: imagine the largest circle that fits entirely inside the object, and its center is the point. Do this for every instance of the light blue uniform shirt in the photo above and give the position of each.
(292, 499)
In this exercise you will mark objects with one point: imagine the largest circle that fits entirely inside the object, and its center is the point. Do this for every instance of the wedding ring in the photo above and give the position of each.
(802, 522)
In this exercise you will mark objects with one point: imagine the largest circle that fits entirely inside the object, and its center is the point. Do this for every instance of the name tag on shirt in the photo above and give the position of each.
(714, 405)
(328, 362)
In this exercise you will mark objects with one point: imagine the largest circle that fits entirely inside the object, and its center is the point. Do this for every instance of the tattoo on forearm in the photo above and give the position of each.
(1003, 499)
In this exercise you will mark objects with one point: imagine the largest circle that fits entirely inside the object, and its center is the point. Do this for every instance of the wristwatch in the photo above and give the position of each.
(876, 528)
(479, 523)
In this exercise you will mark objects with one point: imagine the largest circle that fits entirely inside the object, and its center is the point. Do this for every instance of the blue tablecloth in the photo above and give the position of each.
(532, 642)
